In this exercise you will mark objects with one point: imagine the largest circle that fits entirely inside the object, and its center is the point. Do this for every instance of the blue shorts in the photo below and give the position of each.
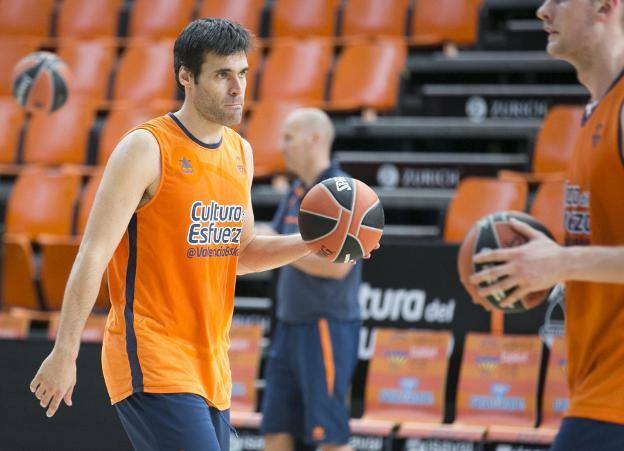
(176, 421)
(308, 375)
(583, 434)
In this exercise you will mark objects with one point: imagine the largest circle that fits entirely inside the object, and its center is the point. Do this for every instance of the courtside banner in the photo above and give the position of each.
(556, 395)
(498, 380)
(407, 375)
(244, 357)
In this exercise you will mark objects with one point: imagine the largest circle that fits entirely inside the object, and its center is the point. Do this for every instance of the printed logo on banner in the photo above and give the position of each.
(396, 358)
(498, 400)
(407, 394)
(238, 389)
(487, 364)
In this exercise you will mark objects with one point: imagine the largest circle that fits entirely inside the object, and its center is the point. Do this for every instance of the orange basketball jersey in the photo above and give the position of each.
(594, 215)
(172, 276)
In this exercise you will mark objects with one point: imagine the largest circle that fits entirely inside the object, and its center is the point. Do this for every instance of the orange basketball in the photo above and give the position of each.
(341, 219)
(41, 82)
(494, 232)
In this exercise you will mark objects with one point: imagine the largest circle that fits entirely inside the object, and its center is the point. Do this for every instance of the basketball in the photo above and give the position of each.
(341, 219)
(41, 82)
(494, 232)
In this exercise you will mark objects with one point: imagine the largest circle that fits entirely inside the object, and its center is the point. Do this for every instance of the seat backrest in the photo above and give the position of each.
(13, 50)
(11, 119)
(26, 17)
(476, 197)
(309, 18)
(158, 19)
(18, 273)
(376, 87)
(42, 201)
(244, 357)
(86, 201)
(458, 24)
(296, 70)
(255, 62)
(556, 139)
(245, 12)
(498, 380)
(120, 121)
(145, 73)
(264, 130)
(407, 374)
(13, 327)
(548, 208)
(374, 18)
(88, 19)
(90, 63)
(59, 137)
(556, 394)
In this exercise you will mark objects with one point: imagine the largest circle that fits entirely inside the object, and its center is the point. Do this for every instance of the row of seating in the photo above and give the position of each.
(165, 18)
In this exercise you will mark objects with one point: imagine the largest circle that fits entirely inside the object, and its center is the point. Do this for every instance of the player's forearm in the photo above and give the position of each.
(269, 252)
(81, 292)
(321, 267)
(594, 264)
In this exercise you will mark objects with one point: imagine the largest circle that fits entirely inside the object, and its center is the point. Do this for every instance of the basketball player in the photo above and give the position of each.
(314, 349)
(590, 35)
(173, 217)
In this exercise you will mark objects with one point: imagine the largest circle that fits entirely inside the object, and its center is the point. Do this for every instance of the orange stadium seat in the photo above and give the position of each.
(90, 63)
(255, 63)
(547, 207)
(58, 253)
(88, 19)
(406, 364)
(120, 121)
(12, 50)
(376, 87)
(309, 18)
(18, 274)
(26, 17)
(458, 25)
(476, 197)
(245, 12)
(11, 119)
(13, 327)
(60, 137)
(244, 354)
(374, 18)
(264, 130)
(145, 73)
(297, 70)
(156, 19)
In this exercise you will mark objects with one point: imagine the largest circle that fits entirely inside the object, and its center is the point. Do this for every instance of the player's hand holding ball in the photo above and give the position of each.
(341, 219)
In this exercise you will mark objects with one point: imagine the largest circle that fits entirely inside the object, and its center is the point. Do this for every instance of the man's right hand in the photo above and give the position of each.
(55, 381)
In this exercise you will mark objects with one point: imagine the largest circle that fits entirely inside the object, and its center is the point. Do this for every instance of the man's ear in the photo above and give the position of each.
(185, 76)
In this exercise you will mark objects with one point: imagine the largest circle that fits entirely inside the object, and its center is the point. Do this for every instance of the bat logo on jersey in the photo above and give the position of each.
(185, 165)
(214, 223)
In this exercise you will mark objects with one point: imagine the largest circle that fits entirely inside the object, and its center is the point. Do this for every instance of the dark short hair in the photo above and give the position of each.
(218, 36)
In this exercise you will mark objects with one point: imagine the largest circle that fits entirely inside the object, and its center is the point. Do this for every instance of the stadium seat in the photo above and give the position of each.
(26, 17)
(58, 253)
(406, 364)
(476, 197)
(255, 63)
(13, 327)
(244, 354)
(157, 19)
(377, 87)
(18, 274)
(458, 24)
(145, 73)
(300, 19)
(60, 137)
(13, 50)
(120, 121)
(90, 63)
(548, 208)
(88, 19)
(297, 70)
(11, 119)
(264, 130)
(245, 12)
(93, 331)
(372, 18)
(42, 201)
